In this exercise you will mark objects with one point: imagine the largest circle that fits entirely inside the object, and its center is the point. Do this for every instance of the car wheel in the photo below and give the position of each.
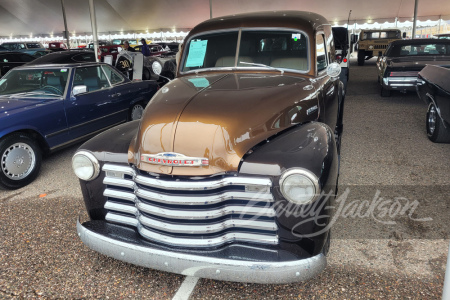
(361, 57)
(20, 159)
(136, 111)
(146, 74)
(385, 92)
(436, 131)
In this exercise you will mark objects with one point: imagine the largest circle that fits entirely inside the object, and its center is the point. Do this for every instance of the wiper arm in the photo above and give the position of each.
(261, 65)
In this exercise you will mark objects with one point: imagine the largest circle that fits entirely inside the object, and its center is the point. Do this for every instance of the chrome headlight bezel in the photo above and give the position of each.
(305, 174)
(94, 164)
(156, 67)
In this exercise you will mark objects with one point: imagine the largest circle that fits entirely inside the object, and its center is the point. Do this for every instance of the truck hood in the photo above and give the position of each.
(416, 63)
(219, 117)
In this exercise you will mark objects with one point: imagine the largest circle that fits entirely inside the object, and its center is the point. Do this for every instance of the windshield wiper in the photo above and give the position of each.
(262, 65)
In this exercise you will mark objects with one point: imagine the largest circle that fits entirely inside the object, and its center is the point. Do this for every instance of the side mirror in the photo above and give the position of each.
(79, 89)
(404, 35)
(333, 70)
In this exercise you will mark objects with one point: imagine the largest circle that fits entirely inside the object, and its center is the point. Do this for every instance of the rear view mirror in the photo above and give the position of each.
(79, 89)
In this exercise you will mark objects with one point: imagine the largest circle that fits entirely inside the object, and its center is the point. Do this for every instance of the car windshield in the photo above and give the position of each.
(35, 82)
(381, 35)
(420, 49)
(270, 49)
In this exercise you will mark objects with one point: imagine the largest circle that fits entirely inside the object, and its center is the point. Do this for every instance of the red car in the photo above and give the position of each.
(108, 50)
(57, 46)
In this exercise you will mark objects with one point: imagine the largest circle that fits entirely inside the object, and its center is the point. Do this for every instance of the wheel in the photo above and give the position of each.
(384, 92)
(20, 158)
(361, 57)
(145, 74)
(436, 131)
(136, 111)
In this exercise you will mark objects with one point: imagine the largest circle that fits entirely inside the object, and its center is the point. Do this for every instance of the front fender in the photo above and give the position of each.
(109, 146)
(310, 146)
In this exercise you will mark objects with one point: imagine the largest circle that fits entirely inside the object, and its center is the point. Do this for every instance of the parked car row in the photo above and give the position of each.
(422, 66)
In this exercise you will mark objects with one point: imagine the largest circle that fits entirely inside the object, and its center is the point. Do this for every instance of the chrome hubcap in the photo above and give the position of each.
(136, 112)
(18, 161)
(432, 119)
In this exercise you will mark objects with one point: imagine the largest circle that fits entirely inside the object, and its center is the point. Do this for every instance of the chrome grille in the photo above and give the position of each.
(191, 213)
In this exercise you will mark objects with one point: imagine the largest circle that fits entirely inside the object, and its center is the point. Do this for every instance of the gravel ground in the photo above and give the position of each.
(384, 148)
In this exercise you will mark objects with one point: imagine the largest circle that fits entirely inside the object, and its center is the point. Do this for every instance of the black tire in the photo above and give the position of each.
(361, 57)
(136, 111)
(436, 131)
(20, 161)
(146, 74)
(384, 92)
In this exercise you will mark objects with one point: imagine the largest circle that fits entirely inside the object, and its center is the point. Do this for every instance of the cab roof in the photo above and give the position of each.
(307, 22)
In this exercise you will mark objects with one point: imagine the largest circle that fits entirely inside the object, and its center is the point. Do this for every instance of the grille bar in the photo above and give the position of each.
(209, 242)
(210, 228)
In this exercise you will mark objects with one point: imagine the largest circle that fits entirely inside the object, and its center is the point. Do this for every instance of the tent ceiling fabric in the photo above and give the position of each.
(23, 17)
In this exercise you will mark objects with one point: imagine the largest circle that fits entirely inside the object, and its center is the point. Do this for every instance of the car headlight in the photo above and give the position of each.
(85, 165)
(299, 186)
(156, 67)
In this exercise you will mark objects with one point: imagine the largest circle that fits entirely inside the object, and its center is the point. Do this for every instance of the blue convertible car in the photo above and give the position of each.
(46, 107)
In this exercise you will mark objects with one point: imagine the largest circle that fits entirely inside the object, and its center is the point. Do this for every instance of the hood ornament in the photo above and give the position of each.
(174, 160)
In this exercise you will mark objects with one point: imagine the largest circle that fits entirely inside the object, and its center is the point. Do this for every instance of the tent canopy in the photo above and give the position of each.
(25, 17)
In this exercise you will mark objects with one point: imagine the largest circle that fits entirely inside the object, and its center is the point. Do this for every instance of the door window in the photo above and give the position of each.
(112, 75)
(321, 53)
(92, 77)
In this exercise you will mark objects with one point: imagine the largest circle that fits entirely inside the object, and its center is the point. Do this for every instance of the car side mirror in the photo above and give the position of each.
(79, 89)
(404, 35)
(333, 70)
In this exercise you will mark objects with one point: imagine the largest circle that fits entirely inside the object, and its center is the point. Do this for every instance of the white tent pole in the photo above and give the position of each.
(415, 19)
(94, 27)
(65, 23)
(210, 9)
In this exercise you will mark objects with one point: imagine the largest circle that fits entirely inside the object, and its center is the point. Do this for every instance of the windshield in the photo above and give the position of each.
(372, 35)
(48, 81)
(279, 49)
(431, 48)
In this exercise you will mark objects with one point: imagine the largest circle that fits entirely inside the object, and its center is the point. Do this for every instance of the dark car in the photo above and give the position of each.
(47, 107)
(170, 46)
(3, 49)
(232, 169)
(9, 60)
(26, 47)
(161, 69)
(398, 68)
(342, 46)
(65, 57)
(433, 87)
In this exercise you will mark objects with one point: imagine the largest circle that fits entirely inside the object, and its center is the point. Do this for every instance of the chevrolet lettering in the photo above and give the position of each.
(232, 169)
(174, 159)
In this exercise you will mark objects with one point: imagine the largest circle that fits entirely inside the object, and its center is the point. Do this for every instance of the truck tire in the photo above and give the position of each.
(436, 131)
(361, 57)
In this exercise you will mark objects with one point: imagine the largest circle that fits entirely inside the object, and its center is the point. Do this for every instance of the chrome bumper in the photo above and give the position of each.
(400, 83)
(201, 266)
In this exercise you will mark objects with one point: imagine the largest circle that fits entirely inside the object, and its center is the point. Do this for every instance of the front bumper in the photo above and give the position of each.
(400, 83)
(111, 244)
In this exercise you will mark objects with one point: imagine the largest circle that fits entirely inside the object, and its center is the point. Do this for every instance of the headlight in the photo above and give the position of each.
(156, 67)
(85, 165)
(299, 186)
